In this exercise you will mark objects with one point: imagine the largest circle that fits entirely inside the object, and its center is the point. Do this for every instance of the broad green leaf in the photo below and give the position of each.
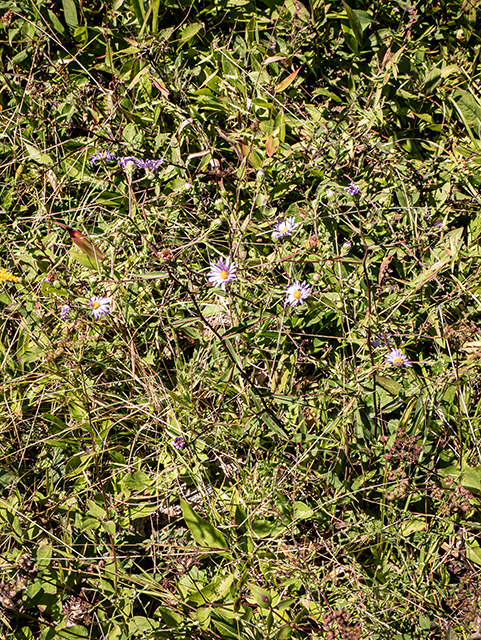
(262, 528)
(433, 80)
(284, 632)
(70, 13)
(261, 596)
(96, 510)
(170, 617)
(252, 156)
(44, 555)
(471, 478)
(390, 385)
(73, 633)
(138, 481)
(55, 22)
(109, 526)
(48, 289)
(190, 31)
(473, 551)
(469, 108)
(140, 623)
(203, 616)
(84, 259)
(203, 532)
(36, 155)
(413, 525)
(302, 511)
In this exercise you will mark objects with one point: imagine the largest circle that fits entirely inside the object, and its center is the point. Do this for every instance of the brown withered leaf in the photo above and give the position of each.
(384, 269)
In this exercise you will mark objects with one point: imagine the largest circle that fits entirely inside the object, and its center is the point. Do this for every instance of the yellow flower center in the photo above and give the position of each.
(95, 305)
(398, 362)
(283, 229)
(297, 294)
(223, 274)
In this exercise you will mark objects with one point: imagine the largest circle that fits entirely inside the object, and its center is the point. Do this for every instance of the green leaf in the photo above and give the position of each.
(139, 10)
(354, 23)
(84, 259)
(262, 528)
(109, 526)
(203, 616)
(302, 511)
(44, 555)
(96, 511)
(261, 596)
(190, 31)
(413, 525)
(468, 108)
(48, 289)
(138, 481)
(432, 81)
(70, 13)
(37, 156)
(170, 617)
(284, 633)
(473, 551)
(55, 22)
(203, 532)
(140, 623)
(470, 478)
(389, 385)
(73, 633)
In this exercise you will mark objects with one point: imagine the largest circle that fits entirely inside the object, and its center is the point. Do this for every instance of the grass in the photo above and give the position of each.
(210, 463)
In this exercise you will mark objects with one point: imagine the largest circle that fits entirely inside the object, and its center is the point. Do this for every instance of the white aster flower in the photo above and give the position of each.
(222, 272)
(296, 293)
(398, 359)
(284, 228)
(100, 306)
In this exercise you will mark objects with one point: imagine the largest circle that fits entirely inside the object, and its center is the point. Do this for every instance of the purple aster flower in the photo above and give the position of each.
(352, 190)
(107, 156)
(398, 359)
(179, 443)
(379, 338)
(64, 311)
(150, 166)
(296, 293)
(128, 163)
(222, 272)
(284, 228)
(100, 306)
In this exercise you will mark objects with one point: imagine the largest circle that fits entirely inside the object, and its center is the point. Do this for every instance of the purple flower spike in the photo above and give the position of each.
(179, 443)
(150, 166)
(128, 163)
(64, 311)
(104, 155)
(352, 190)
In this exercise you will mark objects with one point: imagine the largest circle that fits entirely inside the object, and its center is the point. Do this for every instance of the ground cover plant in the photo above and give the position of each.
(240, 319)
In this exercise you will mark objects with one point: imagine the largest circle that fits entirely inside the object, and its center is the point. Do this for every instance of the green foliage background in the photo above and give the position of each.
(321, 492)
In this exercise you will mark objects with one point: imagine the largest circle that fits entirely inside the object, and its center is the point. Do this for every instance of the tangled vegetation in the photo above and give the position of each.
(240, 312)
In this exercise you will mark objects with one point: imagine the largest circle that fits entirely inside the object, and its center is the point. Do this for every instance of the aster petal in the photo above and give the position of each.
(221, 273)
